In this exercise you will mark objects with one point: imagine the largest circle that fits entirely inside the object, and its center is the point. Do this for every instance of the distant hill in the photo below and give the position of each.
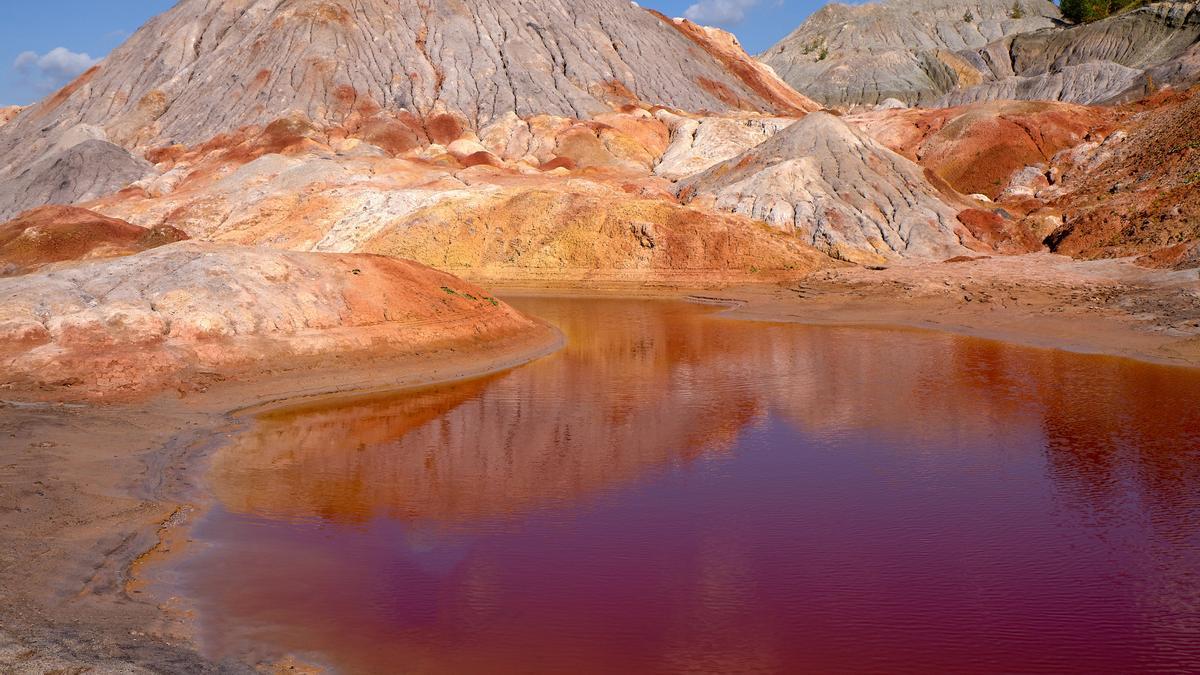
(908, 50)
(942, 53)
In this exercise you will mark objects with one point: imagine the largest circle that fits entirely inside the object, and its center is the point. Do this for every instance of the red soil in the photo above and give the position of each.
(1145, 199)
(977, 148)
(51, 234)
(1000, 234)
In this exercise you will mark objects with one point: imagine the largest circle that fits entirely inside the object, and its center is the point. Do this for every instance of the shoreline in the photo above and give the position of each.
(962, 301)
(116, 487)
(131, 474)
(1100, 336)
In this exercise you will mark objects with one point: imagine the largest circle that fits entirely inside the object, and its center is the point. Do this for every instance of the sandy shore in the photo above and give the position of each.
(88, 494)
(1042, 300)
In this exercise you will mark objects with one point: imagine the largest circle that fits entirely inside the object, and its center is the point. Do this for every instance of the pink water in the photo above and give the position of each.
(677, 492)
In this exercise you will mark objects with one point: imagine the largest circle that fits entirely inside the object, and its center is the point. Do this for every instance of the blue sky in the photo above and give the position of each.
(43, 43)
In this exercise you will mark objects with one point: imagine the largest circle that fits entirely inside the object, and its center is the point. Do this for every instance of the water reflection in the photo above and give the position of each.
(680, 492)
(600, 414)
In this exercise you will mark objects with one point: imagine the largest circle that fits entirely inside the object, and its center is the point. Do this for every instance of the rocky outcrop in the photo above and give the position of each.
(53, 234)
(838, 189)
(978, 148)
(699, 143)
(1124, 56)
(177, 314)
(847, 55)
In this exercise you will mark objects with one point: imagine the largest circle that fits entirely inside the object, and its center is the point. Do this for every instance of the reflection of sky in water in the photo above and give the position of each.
(721, 495)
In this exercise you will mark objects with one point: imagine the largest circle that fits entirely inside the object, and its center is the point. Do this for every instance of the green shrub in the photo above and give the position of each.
(1087, 11)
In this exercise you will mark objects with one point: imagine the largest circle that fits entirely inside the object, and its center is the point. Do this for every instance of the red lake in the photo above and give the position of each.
(679, 492)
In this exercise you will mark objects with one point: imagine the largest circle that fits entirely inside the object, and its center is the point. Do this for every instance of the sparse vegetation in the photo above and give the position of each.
(1018, 12)
(467, 296)
(968, 17)
(824, 54)
(813, 45)
(1087, 11)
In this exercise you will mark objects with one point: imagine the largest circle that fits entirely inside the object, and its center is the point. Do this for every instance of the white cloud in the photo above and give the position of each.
(720, 12)
(50, 71)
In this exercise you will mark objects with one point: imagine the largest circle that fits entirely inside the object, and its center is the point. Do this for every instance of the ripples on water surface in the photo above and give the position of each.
(677, 492)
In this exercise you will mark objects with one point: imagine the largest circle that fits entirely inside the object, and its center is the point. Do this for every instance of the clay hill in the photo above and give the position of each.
(192, 312)
(908, 50)
(839, 190)
(414, 71)
(1121, 58)
(326, 125)
(55, 234)
(938, 53)
(8, 113)
(560, 144)
(597, 145)
(498, 140)
(1132, 192)
(978, 148)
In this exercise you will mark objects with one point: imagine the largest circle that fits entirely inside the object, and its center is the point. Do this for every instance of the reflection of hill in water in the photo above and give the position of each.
(602, 413)
(644, 385)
